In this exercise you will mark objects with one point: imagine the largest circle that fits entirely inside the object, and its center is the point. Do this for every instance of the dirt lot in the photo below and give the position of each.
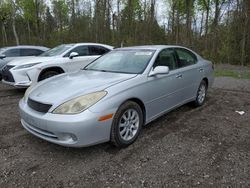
(203, 147)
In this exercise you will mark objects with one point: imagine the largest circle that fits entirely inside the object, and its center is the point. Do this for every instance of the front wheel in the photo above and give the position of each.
(201, 94)
(48, 74)
(127, 124)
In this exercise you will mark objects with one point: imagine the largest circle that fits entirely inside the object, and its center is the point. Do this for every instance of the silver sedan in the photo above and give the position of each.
(113, 97)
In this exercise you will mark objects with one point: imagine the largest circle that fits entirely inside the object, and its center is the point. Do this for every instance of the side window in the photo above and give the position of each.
(97, 50)
(185, 57)
(30, 52)
(166, 58)
(12, 53)
(81, 50)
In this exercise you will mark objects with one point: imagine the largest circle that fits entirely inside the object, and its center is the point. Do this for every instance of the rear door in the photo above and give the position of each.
(188, 72)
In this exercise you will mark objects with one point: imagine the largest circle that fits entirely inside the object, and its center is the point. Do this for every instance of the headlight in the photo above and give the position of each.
(26, 66)
(27, 92)
(79, 104)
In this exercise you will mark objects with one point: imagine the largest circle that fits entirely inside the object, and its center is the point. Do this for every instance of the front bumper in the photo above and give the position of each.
(17, 78)
(18, 84)
(79, 130)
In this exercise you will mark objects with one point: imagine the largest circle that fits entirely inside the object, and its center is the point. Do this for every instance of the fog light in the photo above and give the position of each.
(67, 137)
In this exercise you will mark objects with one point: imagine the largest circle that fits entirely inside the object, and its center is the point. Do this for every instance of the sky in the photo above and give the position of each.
(161, 11)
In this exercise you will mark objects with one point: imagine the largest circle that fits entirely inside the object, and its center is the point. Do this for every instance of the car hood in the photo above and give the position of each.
(28, 60)
(64, 87)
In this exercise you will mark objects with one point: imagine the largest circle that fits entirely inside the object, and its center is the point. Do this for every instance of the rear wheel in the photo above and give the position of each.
(127, 124)
(48, 74)
(201, 94)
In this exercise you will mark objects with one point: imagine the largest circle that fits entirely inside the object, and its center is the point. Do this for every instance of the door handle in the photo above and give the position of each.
(201, 70)
(179, 76)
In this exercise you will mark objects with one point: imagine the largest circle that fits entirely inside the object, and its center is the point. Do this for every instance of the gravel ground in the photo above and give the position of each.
(202, 147)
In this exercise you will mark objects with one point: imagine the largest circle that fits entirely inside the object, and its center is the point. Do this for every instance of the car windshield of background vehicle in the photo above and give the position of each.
(57, 50)
(123, 61)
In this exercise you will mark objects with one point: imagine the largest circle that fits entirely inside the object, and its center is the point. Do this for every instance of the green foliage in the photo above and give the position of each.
(61, 11)
(233, 74)
(28, 9)
(5, 11)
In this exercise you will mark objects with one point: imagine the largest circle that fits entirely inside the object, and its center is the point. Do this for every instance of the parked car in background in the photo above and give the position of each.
(61, 59)
(115, 95)
(9, 53)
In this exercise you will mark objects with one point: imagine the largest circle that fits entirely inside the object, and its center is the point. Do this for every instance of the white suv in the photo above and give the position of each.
(61, 59)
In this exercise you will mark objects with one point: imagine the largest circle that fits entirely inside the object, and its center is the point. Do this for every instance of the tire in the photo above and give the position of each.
(125, 132)
(48, 74)
(201, 94)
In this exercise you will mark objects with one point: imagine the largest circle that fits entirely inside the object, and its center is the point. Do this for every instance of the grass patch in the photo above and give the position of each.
(233, 74)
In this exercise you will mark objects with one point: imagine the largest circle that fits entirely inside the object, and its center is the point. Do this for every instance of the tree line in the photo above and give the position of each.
(217, 29)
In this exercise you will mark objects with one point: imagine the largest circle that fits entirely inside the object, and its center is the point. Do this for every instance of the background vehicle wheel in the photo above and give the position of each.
(48, 74)
(201, 94)
(127, 124)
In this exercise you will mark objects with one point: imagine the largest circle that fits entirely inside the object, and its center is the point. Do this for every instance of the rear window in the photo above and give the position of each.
(30, 52)
(12, 52)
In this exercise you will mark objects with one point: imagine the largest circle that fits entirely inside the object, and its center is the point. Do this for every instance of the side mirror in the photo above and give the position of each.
(159, 70)
(73, 54)
(2, 56)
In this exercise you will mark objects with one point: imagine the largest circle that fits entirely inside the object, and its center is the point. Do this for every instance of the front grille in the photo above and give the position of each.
(6, 74)
(37, 106)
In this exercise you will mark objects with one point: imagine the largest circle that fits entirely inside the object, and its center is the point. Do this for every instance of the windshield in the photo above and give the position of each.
(123, 61)
(57, 50)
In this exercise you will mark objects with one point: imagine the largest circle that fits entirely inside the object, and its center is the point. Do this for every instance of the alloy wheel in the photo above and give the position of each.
(129, 124)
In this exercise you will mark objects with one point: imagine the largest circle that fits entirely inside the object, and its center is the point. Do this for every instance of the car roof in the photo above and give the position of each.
(151, 47)
(90, 44)
(157, 48)
(26, 46)
(96, 44)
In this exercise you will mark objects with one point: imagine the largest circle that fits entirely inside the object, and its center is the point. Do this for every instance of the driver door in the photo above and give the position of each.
(164, 89)
(82, 60)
